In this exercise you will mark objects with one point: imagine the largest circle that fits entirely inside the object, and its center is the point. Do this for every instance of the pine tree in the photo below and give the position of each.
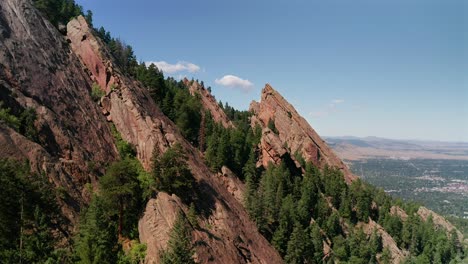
(192, 216)
(171, 173)
(97, 237)
(286, 220)
(120, 187)
(386, 257)
(316, 243)
(297, 251)
(179, 248)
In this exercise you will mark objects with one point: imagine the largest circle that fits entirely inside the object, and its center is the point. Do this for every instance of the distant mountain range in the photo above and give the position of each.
(356, 148)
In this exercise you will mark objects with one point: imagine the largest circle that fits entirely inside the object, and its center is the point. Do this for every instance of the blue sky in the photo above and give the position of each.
(395, 69)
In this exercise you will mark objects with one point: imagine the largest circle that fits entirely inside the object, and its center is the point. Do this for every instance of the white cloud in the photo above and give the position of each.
(173, 68)
(232, 81)
(338, 101)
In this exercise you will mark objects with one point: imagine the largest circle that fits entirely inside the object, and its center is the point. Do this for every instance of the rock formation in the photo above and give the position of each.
(208, 102)
(397, 254)
(234, 238)
(54, 75)
(294, 134)
(39, 71)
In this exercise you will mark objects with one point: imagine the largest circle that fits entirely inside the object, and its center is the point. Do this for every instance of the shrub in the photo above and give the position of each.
(96, 92)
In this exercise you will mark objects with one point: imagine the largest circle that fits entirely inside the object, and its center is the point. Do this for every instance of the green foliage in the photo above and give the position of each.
(136, 255)
(192, 216)
(23, 122)
(121, 52)
(174, 99)
(113, 213)
(27, 127)
(282, 204)
(28, 216)
(179, 250)
(272, 127)
(171, 173)
(97, 239)
(386, 257)
(121, 190)
(8, 118)
(126, 150)
(232, 147)
(96, 92)
(299, 250)
(59, 11)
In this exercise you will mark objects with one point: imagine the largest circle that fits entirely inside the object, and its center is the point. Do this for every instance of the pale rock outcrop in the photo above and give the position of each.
(398, 255)
(156, 224)
(232, 183)
(439, 221)
(208, 102)
(294, 133)
(233, 237)
(396, 210)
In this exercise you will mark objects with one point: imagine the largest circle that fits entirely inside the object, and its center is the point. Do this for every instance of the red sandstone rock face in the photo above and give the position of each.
(439, 221)
(38, 70)
(398, 255)
(209, 103)
(294, 134)
(233, 237)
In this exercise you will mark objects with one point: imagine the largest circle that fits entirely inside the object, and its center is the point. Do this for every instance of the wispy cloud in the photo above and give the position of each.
(235, 82)
(180, 66)
(330, 108)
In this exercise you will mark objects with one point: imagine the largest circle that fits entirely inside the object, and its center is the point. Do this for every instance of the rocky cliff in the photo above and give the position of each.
(208, 102)
(54, 75)
(39, 71)
(233, 237)
(291, 134)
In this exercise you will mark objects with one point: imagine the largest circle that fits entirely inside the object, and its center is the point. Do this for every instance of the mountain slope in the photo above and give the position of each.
(38, 71)
(129, 107)
(73, 141)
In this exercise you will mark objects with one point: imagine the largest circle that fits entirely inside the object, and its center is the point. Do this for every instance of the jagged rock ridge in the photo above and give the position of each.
(294, 134)
(234, 238)
(208, 102)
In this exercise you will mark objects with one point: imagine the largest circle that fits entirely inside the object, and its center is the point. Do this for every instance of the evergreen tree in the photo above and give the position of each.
(171, 173)
(120, 187)
(386, 257)
(97, 238)
(316, 243)
(298, 251)
(179, 248)
(286, 220)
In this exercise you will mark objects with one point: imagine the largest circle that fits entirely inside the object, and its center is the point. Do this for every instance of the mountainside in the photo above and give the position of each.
(143, 169)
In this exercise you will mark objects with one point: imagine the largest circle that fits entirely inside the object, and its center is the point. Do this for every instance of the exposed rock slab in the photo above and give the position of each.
(156, 224)
(39, 71)
(438, 220)
(398, 255)
(234, 237)
(294, 133)
(208, 102)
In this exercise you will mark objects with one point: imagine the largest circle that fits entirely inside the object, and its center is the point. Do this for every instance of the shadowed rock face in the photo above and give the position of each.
(294, 134)
(38, 70)
(226, 234)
